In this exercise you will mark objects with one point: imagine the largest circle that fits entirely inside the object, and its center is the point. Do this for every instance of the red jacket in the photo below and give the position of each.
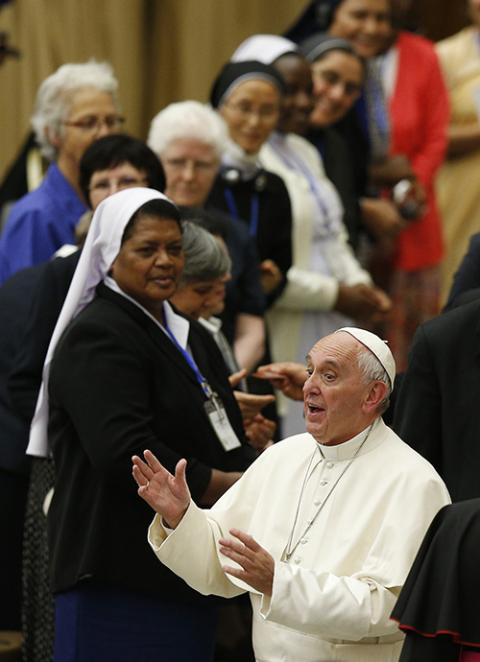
(419, 116)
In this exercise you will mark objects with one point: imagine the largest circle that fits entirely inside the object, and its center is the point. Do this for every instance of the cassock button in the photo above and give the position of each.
(323, 483)
(329, 465)
(317, 502)
(303, 541)
(297, 560)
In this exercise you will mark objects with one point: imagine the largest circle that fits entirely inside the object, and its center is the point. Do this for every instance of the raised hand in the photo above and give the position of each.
(362, 302)
(256, 564)
(270, 276)
(236, 377)
(286, 376)
(251, 404)
(168, 495)
(260, 431)
(382, 218)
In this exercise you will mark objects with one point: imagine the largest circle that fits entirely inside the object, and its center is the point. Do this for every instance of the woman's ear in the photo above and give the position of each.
(112, 268)
(53, 137)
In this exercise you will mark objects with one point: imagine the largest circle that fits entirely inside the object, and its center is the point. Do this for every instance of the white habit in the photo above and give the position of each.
(332, 600)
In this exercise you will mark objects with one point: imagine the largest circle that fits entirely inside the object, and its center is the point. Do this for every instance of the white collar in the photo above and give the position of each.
(212, 324)
(177, 324)
(349, 448)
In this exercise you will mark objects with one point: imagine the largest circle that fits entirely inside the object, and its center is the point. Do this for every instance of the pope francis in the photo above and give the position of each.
(322, 529)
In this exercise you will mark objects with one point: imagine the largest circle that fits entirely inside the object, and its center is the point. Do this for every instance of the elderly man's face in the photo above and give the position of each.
(335, 394)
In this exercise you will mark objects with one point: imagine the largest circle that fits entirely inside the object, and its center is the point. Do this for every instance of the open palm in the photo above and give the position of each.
(168, 495)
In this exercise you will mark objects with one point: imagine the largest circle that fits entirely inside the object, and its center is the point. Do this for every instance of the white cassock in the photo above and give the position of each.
(333, 596)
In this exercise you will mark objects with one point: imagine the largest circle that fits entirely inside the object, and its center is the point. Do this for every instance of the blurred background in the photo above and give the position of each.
(161, 50)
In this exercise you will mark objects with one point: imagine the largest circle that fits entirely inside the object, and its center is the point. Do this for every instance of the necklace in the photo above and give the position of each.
(291, 546)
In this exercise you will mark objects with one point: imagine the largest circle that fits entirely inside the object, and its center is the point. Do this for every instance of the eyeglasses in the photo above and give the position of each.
(264, 113)
(107, 185)
(197, 166)
(93, 124)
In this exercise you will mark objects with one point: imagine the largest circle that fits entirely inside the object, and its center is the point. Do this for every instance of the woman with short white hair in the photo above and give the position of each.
(75, 105)
(188, 120)
(190, 138)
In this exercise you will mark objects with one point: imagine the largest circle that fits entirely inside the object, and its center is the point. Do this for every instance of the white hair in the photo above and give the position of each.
(372, 370)
(55, 94)
(187, 119)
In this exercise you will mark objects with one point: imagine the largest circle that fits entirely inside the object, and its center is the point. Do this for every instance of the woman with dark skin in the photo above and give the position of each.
(110, 164)
(122, 373)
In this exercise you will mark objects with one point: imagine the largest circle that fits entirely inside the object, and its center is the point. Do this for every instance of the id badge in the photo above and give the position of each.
(219, 420)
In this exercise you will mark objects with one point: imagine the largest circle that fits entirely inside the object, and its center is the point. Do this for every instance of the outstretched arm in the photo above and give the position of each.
(168, 495)
(287, 376)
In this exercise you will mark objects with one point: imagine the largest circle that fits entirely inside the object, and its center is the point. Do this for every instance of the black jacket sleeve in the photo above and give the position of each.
(26, 374)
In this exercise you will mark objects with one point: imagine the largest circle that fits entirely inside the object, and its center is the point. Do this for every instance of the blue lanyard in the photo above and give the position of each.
(254, 210)
(191, 362)
(378, 106)
(295, 163)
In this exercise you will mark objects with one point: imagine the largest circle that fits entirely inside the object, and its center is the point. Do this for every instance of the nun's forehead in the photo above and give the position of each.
(253, 77)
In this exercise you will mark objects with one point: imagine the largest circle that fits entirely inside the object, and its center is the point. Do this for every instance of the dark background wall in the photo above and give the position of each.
(439, 18)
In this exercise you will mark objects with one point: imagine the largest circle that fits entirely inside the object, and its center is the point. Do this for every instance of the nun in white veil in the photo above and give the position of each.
(125, 372)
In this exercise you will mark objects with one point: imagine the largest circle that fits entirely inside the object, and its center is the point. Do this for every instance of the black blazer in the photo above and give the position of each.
(118, 386)
(438, 404)
(16, 296)
(467, 276)
(52, 282)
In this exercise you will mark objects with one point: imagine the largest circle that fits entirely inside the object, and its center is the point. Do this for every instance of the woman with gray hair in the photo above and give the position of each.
(201, 287)
(75, 105)
(206, 271)
(190, 138)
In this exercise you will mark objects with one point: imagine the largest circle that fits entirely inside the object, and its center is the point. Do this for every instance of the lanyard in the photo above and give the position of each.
(295, 163)
(254, 210)
(376, 97)
(191, 362)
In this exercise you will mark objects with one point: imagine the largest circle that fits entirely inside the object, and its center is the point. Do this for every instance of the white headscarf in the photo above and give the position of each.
(99, 252)
(264, 48)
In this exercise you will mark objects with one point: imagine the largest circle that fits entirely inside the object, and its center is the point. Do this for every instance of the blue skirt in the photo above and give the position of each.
(110, 625)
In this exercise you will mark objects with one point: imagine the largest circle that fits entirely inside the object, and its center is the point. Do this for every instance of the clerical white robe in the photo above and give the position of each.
(332, 598)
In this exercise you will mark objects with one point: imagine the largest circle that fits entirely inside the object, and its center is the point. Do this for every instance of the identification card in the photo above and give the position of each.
(220, 423)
